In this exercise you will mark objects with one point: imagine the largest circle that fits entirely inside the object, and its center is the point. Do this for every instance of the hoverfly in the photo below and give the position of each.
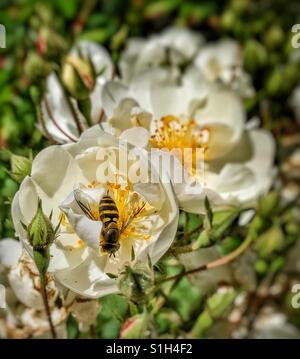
(107, 212)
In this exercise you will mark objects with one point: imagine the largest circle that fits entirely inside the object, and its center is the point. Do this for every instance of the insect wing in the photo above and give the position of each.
(87, 204)
(133, 217)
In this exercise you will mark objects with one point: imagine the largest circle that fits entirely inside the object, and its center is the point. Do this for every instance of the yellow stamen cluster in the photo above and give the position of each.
(176, 136)
(133, 211)
(132, 207)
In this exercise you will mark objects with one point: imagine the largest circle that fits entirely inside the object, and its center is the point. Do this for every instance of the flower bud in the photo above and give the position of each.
(256, 226)
(40, 231)
(50, 44)
(136, 282)
(20, 167)
(269, 242)
(268, 203)
(78, 77)
(255, 55)
(135, 327)
(36, 67)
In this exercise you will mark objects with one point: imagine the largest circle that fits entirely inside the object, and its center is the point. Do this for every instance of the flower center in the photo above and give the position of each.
(184, 139)
(133, 211)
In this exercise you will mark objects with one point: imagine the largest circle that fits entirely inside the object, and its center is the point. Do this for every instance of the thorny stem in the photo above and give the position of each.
(55, 123)
(42, 122)
(46, 305)
(70, 105)
(102, 116)
(216, 263)
(182, 249)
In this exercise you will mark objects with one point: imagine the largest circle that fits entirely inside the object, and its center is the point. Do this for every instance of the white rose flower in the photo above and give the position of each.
(223, 61)
(70, 180)
(10, 252)
(172, 48)
(61, 119)
(24, 280)
(198, 115)
(24, 316)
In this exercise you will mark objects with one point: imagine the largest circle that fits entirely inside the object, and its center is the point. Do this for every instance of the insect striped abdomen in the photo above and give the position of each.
(109, 215)
(108, 210)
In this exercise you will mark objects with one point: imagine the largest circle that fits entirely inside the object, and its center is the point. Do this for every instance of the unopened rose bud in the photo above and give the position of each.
(136, 282)
(50, 44)
(268, 203)
(257, 226)
(20, 167)
(36, 67)
(40, 230)
(269, 242)
(135, 327)
(78, 77)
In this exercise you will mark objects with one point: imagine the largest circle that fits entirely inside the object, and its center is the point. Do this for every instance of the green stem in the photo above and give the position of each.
(70, 105)
(41, 259)
(46, 305)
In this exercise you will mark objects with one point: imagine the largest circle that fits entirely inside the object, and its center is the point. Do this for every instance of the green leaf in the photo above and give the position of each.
(67, 8)
(221, 221)
(196, 13)
(192, 299)
(132, 254)
(111, 275)
(229, 244)
(269, 242)
(209, 213)
(217, 305)
(72, 327)
(194, 222)
(112, 315)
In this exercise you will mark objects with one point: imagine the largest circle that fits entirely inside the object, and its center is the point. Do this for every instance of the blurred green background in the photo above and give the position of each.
(262, 27)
